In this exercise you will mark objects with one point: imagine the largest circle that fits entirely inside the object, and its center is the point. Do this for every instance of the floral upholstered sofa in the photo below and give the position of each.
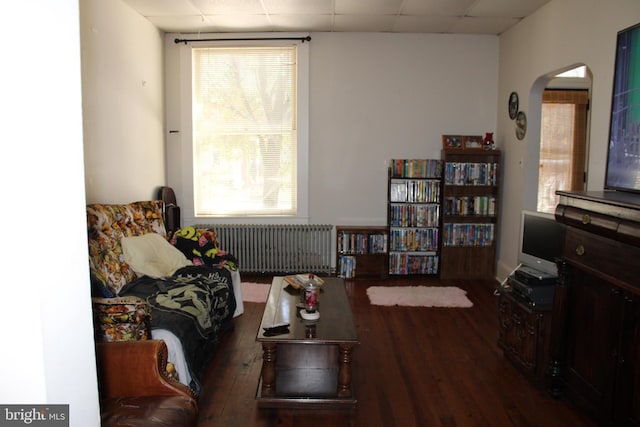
(191, 287)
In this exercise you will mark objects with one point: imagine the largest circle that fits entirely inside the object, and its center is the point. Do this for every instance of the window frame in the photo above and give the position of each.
(180, 139)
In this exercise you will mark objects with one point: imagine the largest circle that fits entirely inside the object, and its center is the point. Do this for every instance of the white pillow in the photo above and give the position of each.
(152, 255)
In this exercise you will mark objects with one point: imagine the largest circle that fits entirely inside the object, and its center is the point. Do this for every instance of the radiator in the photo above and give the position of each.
(277, 248)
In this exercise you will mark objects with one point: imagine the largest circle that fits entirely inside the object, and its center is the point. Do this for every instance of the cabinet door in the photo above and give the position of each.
(520, 333)
(523, 336)
(591, 342)
(627, 394)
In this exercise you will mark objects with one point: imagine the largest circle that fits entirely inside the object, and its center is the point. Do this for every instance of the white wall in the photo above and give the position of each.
(123, 103)
(560, 34)
(47, 352)
(382, 96)
(375, 97)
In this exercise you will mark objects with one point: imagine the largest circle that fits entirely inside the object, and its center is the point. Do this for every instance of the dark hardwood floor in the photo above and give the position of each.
(413, 367)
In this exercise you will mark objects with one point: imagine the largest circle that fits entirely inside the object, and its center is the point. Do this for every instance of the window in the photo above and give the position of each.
(562, 145)
(245, 131)
(578, 72)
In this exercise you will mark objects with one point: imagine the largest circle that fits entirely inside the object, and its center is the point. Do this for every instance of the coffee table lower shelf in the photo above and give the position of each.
(304, 388)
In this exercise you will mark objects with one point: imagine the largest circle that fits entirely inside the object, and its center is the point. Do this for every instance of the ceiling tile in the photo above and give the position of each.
(240, 23)
(229, 7)
(437, 7)
(179, 24)
(368, 7)
(506, 8)
(294, 7)
(336, 15)
(163, 7)
(320, 23)
(474, 25)
(424, 24)
(372, 23)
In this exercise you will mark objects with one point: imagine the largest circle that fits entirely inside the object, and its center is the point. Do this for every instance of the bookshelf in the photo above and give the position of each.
(470, 200)
(362, 252)
(413, 216)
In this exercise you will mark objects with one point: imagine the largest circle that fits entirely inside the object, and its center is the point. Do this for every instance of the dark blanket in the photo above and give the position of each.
(195, 304)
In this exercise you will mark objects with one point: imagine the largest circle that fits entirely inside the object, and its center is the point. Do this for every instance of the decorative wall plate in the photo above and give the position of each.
(521, 125)
(513, 105)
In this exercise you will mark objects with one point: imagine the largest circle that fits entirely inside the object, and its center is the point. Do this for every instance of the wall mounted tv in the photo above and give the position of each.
(541, 238)
(623, 159)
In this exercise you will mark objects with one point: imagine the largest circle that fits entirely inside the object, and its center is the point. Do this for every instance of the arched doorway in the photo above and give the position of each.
(563, 136)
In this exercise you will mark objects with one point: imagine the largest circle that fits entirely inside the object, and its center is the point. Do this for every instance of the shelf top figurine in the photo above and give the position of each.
(488, 142)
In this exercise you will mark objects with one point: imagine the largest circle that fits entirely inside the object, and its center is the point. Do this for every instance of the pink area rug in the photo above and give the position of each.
(255, 292)
(419, 296)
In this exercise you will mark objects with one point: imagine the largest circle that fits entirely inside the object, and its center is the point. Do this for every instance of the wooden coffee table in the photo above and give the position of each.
(311, 364)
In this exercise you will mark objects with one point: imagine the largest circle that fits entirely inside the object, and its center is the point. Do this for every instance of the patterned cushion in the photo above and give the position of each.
(107, 225)
(121, 319)
(99, 287)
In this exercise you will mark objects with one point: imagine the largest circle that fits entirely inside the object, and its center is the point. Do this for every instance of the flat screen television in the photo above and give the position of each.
(540, 241)
(623, 156)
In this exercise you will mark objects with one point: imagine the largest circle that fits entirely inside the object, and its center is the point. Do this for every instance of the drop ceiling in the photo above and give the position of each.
(392, 16)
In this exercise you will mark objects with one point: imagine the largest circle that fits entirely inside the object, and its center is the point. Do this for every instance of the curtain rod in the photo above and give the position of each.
(185, 41)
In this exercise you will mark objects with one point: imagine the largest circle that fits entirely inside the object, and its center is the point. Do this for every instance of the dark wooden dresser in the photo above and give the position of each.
(595, 348)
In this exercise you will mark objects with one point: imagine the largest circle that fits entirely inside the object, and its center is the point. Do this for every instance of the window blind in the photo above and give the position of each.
(562, 145)
(244, 131)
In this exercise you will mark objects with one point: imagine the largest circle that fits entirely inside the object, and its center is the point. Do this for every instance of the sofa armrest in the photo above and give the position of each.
(136, 368)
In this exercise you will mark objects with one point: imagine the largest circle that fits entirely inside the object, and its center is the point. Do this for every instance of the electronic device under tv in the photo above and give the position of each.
(541, 238)
(623, 156)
